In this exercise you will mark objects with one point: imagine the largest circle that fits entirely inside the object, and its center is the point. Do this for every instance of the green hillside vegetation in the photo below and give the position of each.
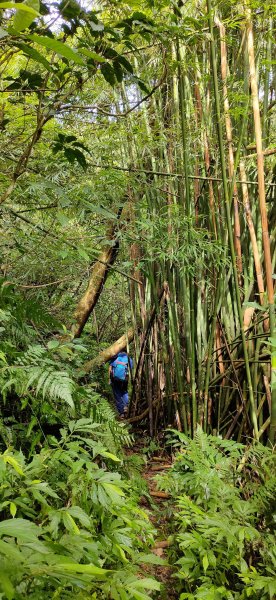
(137, 200)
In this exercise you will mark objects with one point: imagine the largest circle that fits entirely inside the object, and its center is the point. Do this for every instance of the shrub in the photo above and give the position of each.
(225, 498)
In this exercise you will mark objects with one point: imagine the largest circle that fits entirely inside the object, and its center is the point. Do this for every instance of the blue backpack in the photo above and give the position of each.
(120, 369)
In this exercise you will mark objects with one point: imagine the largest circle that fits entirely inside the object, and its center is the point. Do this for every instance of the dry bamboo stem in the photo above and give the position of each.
(252, 233)
(262, 198)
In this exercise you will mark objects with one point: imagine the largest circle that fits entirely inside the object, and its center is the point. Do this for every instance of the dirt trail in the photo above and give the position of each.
(159, 508)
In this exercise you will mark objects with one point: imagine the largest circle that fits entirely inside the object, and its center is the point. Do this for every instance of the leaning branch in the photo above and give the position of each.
(109, 352)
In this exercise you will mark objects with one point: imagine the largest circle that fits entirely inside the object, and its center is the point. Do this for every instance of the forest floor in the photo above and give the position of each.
(159, 508)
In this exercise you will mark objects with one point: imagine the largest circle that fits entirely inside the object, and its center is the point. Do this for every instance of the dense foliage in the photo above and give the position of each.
(70, 523)
(224, 546)
(70, 520)
(138, 152)
(137, 201)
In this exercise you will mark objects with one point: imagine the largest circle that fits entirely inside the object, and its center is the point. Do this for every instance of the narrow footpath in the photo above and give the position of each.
(159, 507)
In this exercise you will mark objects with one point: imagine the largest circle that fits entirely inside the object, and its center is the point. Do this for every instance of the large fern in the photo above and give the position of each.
(36, 371)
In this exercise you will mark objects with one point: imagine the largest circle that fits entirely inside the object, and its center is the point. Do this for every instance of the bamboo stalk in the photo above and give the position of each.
(97, 279)
(262, 202)
(189, 300)
(253, 238)
(229, 137)
(228, 215)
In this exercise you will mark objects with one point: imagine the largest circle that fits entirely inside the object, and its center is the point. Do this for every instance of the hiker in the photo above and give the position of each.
(119, 368)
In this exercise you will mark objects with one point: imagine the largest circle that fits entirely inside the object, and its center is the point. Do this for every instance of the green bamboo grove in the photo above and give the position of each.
(203, 186)
(157, 122)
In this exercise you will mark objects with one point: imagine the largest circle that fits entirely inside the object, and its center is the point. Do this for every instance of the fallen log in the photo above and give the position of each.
(160, 494)
(109, 352)
(162, 544)
(159, 467)
(141, 416)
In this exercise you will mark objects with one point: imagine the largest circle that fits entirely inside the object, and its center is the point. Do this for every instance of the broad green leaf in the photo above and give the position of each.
(118, 70)
(83, 254)
(35, 55)
(69, 523)
(20, 528)
(96, 57)
(96, 26)
(113, 490)
(126, 64)
(23, 19)
(13, 509)
(137, 595)
(14, 463)
(205, 562)
(7, 586)
(109, 455)
(78, 513)
(22, 6)
(58, 47)
(88, 569)
(52, 344)
(108, 73)
(10, 551)
(150, 559)
(73, 154)
(3, 33)
(147, 584)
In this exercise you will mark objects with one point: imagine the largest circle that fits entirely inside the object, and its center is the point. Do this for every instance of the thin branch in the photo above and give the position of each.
(38, 285)
(118, 115)
(166, 174)
(51, 234)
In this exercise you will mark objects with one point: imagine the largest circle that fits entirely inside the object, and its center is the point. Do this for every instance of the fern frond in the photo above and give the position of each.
(53, 384)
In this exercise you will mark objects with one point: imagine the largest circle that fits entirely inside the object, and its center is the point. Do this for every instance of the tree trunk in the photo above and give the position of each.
(97, 279)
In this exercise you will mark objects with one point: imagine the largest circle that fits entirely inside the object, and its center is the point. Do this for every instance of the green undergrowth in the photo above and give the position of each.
(224, 494)
(70, 521)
